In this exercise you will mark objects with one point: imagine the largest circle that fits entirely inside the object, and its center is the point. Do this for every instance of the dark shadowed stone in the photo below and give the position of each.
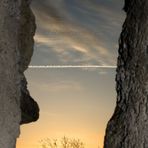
(29, 107)
(128, 127)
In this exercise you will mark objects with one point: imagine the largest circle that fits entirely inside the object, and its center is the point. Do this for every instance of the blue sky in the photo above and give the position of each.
(73, 102)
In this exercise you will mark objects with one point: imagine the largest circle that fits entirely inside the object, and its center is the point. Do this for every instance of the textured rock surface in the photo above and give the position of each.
(16, 46)
(29, 108)
(128, 127)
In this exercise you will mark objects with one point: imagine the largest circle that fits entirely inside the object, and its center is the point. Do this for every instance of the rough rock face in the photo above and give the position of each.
(17, 27)
(27, 27)
(128, 127)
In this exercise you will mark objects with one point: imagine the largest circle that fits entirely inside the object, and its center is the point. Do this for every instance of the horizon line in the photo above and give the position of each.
(71, 66)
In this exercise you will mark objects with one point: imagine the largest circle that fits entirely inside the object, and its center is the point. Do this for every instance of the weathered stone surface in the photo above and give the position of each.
(17, 27)
(26, 33)
(128, 127)
(29, 108)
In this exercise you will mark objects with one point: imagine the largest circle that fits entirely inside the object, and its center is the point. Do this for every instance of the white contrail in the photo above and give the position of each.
(71, 66)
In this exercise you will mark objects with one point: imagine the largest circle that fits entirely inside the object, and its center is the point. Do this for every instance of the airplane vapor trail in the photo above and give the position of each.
(71, 66)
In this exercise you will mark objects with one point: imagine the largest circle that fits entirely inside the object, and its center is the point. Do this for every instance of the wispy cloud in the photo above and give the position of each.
(78, 32)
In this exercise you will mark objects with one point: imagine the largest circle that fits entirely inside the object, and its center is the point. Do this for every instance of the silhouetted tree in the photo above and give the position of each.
(63, 143)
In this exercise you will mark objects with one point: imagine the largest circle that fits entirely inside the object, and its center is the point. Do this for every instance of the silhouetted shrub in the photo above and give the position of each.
(65, 142)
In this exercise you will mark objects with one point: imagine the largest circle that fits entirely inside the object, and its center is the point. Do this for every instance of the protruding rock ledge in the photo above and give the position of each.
(29, 108)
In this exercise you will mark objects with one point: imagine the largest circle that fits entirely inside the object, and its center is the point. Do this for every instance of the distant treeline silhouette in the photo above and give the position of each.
(64, 142)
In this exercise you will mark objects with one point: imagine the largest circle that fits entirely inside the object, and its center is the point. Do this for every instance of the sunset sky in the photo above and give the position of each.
(76, 102)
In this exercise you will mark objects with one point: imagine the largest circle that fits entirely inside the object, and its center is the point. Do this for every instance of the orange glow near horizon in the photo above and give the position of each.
(74, 106)
(31, 140)
(90, 140)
